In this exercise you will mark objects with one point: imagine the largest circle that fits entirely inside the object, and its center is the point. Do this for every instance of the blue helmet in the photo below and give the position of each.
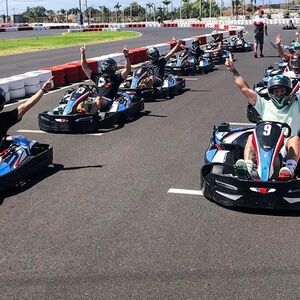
(153, 54)
(280, 81)
(108, 67)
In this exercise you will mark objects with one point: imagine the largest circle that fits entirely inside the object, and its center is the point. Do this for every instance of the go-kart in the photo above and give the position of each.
(137, 85)
(289, 26)
(186, 63)
(217, 57)
(260, 190)
(20, 158)
(235, 44)
(66, 118)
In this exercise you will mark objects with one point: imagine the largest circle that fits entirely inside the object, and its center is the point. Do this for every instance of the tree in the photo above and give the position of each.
(166, 3)
(135, 11)
(32, 14)
(117, 7)
(104, 13)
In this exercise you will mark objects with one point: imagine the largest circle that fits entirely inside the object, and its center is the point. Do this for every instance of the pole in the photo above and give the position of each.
(210, 9)
(180, 16)
(6, 11)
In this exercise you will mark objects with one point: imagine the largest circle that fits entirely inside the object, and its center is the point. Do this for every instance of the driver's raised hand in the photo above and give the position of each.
(278, 39)
(125, 51)
(48, 85)
(229, 63)
(82, 50)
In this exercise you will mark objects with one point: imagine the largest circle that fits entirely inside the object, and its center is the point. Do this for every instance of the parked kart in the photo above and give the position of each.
(20, 158)
(186, 63)
(235, 44)
(289, 26)
(261, 190)
(65, 118)
(136, 85)
(217, 57)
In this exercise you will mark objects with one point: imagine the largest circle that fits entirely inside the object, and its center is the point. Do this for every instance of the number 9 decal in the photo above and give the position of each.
(267, 130)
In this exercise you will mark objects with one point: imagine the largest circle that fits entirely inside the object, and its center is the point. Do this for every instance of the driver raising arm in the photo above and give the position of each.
(157, 64)
(10, 118)
(284, 107)
(107, 80)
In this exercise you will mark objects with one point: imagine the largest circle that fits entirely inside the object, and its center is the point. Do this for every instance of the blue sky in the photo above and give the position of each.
(18, 6)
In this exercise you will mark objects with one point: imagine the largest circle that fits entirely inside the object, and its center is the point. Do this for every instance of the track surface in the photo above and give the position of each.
(100, 223)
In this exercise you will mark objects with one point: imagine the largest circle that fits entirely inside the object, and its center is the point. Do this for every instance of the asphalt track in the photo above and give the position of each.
(100, 223)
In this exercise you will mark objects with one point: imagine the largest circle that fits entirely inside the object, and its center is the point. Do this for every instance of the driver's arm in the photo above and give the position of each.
(84, 65)
(279, 48)
(125, 72)
(24, 107)
(175, 49)
(241, 82)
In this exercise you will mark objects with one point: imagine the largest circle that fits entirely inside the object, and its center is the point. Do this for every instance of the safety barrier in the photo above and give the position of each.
(26, 84)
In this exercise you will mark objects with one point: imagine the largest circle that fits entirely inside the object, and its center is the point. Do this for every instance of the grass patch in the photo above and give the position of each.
(38, 43)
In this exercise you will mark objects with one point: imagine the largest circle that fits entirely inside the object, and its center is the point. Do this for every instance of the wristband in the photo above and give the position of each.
(44, 91)
(235, 72)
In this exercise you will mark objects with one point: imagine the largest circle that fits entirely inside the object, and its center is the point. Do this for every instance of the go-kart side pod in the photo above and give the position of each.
(41, 157)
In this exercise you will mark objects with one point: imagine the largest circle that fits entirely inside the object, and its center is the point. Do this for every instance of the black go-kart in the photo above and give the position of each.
(187, 64)
(137, 85)
(217, 57)
(235, 44)
(21, 158)
(289, 26)
(221, 182)
(67, 118)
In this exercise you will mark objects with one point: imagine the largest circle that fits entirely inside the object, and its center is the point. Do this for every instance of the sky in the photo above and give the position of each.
(18, 6)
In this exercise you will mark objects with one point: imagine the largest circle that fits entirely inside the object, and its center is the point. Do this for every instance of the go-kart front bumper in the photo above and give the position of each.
(231, 191)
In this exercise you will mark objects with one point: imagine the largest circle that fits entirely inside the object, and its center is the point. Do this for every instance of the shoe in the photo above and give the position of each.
(285, 174)
(255, 55)
(240, 168)
(262, 55)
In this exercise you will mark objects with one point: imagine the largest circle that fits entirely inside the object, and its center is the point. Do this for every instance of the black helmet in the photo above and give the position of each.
(280, 81)
(215, 34)
(195, 44)
(108, 67)
(153, 54)
(295, 63)
(2, 98)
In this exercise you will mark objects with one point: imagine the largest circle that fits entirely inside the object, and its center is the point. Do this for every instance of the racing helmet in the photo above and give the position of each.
(195, 44)
(240, 33)
(108, 67)
(296, 46)
(295, 63)
(2, 98)
(280, 81)
(215, 34)
(153, 54)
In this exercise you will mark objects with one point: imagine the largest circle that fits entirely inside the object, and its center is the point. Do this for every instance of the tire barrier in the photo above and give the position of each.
(17, 87)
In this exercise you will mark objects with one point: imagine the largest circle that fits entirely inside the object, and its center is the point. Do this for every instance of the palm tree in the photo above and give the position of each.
(117, 7)
(166, 3)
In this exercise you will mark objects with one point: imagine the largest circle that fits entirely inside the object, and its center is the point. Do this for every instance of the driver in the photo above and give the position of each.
(216, 42)
(284, 107)
(195, 49)
(240, 34)
(10, 118)
(157, 64)
(283, 55)
(294, 72)
(107, 80)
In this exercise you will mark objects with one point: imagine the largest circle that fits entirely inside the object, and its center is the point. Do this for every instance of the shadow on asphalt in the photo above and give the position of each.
(200, 91)
(33, 180)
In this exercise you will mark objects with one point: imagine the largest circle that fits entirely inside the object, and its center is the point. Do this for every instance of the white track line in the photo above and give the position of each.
(186, 192)
(40, 131)
(30, 131)
(191, 79)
